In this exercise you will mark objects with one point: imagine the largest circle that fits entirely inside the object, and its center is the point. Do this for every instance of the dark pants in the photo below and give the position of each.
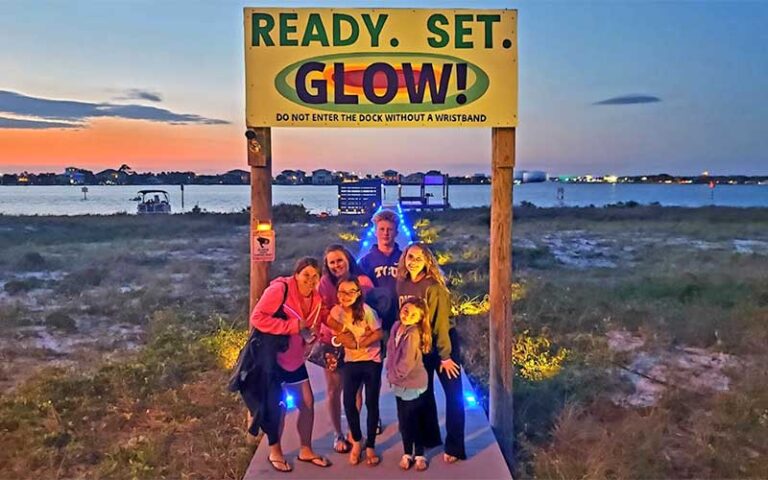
(412, 419)
(454, 402)
(354, 374)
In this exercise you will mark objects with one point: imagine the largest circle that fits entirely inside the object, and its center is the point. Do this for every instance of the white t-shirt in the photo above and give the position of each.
(358, 329)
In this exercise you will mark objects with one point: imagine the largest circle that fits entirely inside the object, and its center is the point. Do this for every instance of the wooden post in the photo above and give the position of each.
(501, 322)
(260, 160)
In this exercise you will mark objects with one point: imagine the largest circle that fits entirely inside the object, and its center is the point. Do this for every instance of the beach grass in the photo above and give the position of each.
(120, 325)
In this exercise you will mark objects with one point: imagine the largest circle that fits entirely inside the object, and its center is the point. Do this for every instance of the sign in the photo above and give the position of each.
(263, 248)
(315, 67)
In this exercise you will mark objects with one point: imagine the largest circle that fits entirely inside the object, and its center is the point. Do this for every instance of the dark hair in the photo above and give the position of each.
(305, 262)
(358, 308)
(424, 326)
(354, 269)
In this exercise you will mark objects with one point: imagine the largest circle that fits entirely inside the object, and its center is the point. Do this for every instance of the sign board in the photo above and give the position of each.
(263, 248)
(315, 67)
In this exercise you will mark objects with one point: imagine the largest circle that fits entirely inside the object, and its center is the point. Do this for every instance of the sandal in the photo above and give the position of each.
(354, 453)
(280, 465)
(341, 445)
(406, 462)
(371, 459)
(421, 463)
(317, 461)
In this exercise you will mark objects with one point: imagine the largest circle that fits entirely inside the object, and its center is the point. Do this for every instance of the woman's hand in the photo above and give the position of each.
(450, 367)
(347, 339)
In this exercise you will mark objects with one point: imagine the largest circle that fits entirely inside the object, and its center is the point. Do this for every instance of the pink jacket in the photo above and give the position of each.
(263, 320)
(327, 292)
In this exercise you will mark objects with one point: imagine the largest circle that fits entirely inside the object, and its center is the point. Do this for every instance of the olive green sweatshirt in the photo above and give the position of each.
(438, 301)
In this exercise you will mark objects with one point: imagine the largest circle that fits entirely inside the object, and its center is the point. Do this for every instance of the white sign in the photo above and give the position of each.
(263, 247)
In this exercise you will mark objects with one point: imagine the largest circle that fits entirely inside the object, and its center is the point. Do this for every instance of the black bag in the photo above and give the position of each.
(326, 356)
(259, 339)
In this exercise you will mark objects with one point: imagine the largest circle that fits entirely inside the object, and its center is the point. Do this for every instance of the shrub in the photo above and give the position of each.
(31, 261)
(15, 287)
(61, 321)
(290, 213)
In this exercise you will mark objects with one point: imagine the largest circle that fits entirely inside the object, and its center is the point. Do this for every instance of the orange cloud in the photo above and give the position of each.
(107, 143)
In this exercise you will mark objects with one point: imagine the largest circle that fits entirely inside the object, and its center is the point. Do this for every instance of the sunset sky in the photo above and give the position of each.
(605, 87)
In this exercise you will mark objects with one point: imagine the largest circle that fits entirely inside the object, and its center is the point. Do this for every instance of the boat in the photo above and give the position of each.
(153, 202)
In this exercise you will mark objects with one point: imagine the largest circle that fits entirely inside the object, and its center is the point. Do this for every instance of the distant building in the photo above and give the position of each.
(291, 177)
(413, 178)
(341, 176)
(530, 176)
(390, 176)
(322, 177)
(236, 177)
(481, 178)
(111, 176)
(79, 176)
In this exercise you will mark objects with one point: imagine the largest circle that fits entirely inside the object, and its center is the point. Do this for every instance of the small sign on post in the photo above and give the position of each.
(263, 243)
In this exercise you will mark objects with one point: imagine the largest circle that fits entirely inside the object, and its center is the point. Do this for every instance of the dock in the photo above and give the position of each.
(484, 458)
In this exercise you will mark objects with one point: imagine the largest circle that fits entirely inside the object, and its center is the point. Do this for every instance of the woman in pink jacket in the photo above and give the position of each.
(302, 309)
(338, 264)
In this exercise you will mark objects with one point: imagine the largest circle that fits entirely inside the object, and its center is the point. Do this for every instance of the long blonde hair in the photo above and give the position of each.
(431, 268)
(424, 325)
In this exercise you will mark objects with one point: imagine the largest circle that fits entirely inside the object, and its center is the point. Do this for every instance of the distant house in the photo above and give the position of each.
(481, 178)
(414, 178)
(322, 177)
(111, 176)
(390, 176)
(341, 176)
(291, 177)
(79, 176)
(236, 177)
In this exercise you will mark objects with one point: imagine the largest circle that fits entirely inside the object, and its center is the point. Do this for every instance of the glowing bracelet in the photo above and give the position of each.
(335, 342)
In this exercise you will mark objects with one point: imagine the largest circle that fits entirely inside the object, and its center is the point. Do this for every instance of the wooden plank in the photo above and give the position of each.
(260, 159)
(500, 318)
(484, 461)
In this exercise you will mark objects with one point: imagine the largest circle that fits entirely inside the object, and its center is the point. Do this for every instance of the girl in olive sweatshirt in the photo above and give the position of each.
(418, 275)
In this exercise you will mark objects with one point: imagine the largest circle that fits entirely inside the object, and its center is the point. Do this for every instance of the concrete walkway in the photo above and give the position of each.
(484, 457)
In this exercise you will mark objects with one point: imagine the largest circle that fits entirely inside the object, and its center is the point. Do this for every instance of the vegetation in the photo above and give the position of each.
(168, 302)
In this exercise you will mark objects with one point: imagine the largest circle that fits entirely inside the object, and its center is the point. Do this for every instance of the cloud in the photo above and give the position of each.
(628, 100)
(17, 123)
(137, 94)
(79, 112)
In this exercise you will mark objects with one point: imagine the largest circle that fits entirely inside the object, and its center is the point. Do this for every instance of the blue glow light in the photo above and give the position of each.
(470, 400)
(289, 402)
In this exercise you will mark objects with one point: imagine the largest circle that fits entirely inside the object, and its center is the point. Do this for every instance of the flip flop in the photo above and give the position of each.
(421, 463)
(287, 468)
(447, 458)
(317, 461)
(406, 462)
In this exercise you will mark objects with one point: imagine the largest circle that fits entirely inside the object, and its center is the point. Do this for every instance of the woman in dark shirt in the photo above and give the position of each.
(418, 275)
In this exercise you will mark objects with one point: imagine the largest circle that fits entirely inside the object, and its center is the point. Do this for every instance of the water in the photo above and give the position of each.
(108, 199)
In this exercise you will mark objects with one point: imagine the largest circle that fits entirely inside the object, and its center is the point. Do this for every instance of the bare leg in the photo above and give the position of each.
(305, 401)
(333, 382)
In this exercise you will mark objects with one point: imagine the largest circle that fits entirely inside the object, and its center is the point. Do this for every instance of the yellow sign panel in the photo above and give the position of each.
(380, 68)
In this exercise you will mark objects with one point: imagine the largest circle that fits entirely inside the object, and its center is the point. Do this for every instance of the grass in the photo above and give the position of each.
(163, 411)
(126, 419)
